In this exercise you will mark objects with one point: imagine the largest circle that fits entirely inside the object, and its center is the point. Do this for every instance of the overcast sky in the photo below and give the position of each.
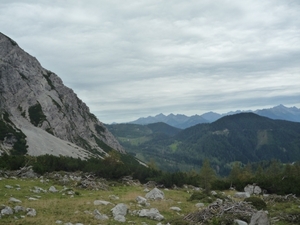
(134, 58)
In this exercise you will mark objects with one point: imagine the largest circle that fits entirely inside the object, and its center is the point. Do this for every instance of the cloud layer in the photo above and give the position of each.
(128, 59)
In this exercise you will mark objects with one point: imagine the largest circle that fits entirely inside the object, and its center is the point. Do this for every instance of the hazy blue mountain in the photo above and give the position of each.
(182, 121)
(281, 112)
(179, 120)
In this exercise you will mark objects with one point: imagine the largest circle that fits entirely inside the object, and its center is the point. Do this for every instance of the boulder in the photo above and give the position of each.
(152, 213)
(253, 189)
(155, 194)
(52, 189)
(7, 211)
(241, 195)
(142, 201)
(260, 218)
(120, 209)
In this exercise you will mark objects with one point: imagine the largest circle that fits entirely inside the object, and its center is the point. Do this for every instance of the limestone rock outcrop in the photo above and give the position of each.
(40, 115)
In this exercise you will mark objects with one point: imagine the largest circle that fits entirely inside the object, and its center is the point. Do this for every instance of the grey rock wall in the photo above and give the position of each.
(65, 124)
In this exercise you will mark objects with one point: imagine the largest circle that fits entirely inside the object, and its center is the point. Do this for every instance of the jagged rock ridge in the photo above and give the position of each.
(37, 110)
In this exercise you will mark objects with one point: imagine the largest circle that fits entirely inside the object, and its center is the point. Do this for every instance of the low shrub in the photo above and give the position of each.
(258, 203)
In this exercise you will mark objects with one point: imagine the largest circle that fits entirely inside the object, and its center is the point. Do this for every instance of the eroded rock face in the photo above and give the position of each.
(50, 115)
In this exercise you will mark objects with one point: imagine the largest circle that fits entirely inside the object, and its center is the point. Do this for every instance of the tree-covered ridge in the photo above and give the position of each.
(244, 137)
(272, 176)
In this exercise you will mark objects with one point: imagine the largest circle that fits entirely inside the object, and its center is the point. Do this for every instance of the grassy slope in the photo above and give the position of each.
(78, 209)
(55, 206)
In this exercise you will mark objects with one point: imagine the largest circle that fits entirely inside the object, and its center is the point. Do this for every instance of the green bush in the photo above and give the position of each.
(256, 202)
(36, 114)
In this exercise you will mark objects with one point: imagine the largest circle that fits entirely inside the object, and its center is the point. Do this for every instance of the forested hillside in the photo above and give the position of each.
(244, 137)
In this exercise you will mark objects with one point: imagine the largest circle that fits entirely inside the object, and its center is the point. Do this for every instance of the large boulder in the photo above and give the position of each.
(252, 189)
(260, 218)
(119, 212)
(155, 194)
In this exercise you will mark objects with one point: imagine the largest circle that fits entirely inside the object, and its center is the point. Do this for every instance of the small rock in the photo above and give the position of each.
(240, 222)
(113, 197)
(14, 200)
(8, 187)
(59, 222)
(101, 202)
(32, 199)
(120, 218)
(199, 205)
(31, 212)
(174, 208)
(142, 201)
(213, 193)
(19, 209)
(99, 216)
(241, 195)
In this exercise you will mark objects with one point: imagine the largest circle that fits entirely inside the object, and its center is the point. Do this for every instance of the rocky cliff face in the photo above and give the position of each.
(38, 111)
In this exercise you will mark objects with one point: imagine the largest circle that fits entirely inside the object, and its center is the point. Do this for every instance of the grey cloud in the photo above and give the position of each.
(137, 58)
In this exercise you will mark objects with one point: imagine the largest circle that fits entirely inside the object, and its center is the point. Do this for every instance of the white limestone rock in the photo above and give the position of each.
(155, 194)
(14, 200)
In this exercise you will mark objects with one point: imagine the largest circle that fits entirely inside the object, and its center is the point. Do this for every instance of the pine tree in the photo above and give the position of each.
(207, 175)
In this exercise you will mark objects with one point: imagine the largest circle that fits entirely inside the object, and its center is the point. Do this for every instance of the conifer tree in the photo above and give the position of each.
(207, 175)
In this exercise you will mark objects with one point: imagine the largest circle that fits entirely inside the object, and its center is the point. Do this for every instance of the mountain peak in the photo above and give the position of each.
(38, 111)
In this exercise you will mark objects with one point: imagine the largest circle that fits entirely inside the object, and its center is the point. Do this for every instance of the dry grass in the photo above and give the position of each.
(79, 208)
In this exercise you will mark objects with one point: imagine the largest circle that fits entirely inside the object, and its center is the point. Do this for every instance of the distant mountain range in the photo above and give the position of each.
(242, 137)
(182, 121)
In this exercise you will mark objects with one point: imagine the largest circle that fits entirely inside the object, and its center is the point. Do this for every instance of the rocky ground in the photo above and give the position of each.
(79, 198)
